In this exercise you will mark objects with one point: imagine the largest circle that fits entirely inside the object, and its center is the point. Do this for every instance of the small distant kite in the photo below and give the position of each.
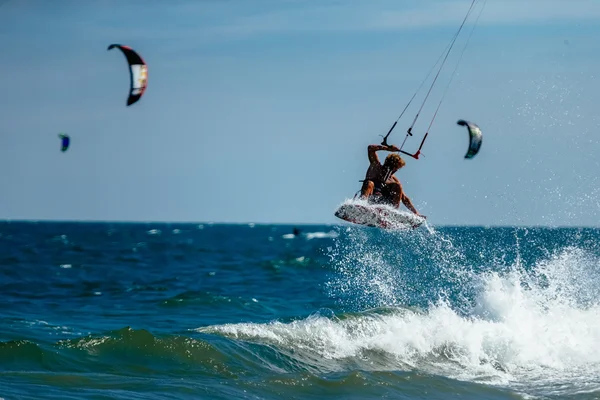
(475, 137)
(65, 140)
(138, 73)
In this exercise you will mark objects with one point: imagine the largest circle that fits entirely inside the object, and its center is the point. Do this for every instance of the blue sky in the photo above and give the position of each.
(262, 111)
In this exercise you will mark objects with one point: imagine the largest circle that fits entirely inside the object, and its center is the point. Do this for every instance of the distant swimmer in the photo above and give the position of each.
(380, 185)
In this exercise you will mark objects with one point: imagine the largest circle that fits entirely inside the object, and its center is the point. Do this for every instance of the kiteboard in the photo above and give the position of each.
(377, 215)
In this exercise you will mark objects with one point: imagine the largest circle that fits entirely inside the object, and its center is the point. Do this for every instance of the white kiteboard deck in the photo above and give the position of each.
(377, 215)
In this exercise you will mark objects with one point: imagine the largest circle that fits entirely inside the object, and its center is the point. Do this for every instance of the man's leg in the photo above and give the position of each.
(367, 189)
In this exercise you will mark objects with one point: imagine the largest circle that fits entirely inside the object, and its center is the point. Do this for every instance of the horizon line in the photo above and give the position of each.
(253, 224)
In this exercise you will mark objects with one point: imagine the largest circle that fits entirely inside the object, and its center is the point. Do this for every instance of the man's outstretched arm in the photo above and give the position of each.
(406, 201)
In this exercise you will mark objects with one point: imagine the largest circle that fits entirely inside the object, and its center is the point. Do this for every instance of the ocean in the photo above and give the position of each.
(213, 311)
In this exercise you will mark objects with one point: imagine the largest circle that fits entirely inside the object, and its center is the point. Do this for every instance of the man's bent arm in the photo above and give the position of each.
(374, 148)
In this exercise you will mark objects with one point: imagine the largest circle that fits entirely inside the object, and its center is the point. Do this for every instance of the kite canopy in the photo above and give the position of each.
(138, 73)
(65, 141)
(475, 137)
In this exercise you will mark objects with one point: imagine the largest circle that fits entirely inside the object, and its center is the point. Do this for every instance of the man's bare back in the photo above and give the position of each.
(376, 172)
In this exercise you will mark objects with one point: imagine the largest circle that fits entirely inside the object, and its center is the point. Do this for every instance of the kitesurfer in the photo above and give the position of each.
(380, 185)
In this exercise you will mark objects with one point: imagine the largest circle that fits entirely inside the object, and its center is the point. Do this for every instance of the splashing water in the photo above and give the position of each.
(496, 315)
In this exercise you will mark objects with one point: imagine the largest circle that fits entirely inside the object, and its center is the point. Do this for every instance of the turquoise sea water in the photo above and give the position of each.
(189, 311)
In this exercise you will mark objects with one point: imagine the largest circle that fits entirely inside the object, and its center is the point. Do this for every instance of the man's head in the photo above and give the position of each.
(394, 162)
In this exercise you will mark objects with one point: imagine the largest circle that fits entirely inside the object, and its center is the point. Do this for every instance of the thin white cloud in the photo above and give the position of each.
(207, 22)
(387, 15)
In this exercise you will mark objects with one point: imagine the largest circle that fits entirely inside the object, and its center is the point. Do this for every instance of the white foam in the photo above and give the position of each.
(321, 235)
(532, 331)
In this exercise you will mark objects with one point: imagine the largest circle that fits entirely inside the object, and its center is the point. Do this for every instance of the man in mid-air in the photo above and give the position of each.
(380, 185)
